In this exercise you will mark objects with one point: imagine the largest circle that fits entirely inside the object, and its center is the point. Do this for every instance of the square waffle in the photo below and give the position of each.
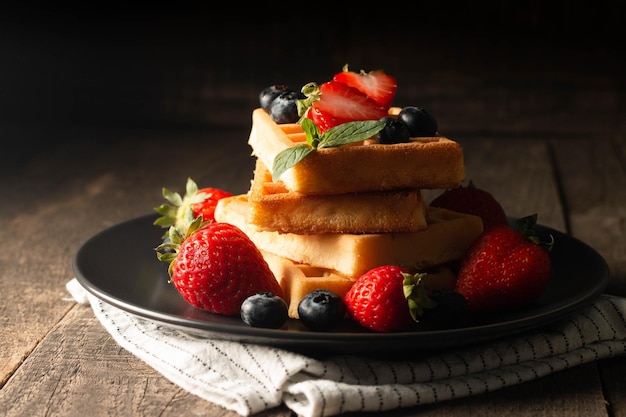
(297, 280)
(423, 163)
(273, 207)
(445, 239)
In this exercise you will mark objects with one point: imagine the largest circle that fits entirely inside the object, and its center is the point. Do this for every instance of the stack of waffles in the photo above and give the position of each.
(345, 210)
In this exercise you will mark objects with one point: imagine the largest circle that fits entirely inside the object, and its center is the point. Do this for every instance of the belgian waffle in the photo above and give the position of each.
(273, 207)
(297, 280)
(445, 239)
(423, 163)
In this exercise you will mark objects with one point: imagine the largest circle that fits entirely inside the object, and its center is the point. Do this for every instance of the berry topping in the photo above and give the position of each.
(268, 94)
(321, 310)
(395, 131)
(419, 121)
(264, 310)
(376, 85)
(339, 103)
(284, 108)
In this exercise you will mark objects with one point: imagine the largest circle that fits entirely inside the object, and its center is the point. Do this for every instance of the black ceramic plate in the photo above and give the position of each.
(119, 266)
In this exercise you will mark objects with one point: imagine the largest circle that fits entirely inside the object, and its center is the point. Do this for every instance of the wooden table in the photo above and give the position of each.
(542, 129)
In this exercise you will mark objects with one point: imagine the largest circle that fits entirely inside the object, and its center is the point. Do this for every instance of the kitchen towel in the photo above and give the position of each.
(249, 378)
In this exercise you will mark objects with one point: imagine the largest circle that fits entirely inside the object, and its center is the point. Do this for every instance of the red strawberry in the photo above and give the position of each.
(473, 200)
(339, 103)
(376, 300)
(216, 266)
(208, 198)
(505, 268)
(324, 121)
(377, 85)
(183, 210)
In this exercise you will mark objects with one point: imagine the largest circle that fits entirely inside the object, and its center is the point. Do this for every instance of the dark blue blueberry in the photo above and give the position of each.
(394, 131)
(284, 108)
(419, 121)
(264, 310)
(268, 94)
(321, 310)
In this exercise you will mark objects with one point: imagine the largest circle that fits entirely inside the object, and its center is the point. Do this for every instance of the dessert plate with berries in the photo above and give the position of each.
(138, 283)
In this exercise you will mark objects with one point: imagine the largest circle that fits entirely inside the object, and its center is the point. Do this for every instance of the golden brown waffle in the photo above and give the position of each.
(423, 163)
(273, 207)
(445, 239)
(297, 280)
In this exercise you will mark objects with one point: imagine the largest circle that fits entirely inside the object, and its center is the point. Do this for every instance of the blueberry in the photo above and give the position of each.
(268, 94)
(284, 108)
(264, 310)
(419, 121)
(450, 311)
(395, 131)
(321, 310)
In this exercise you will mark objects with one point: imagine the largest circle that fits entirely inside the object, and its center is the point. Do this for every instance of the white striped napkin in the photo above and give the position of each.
(249, 379)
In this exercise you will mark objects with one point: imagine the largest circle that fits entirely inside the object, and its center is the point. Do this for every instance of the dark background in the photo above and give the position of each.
(175, 66)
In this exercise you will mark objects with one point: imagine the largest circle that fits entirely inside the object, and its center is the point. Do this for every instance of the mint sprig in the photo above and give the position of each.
(339, 135)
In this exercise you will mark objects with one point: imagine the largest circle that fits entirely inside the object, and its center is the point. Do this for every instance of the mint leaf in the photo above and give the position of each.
(288, 158)
(312, 132)
(339, 135)
(350, 132)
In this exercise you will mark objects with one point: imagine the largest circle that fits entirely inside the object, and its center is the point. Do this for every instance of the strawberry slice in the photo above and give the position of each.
(377, 85)
(325, 121)
(339, 103)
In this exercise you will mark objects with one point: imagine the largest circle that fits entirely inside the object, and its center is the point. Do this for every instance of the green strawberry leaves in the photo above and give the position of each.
(526, 226)
(179, 211)
(339, 135)
(168, 250)
(416, 294)
(312, 93)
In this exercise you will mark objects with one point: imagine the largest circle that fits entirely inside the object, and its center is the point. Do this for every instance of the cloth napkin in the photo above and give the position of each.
(249, 378)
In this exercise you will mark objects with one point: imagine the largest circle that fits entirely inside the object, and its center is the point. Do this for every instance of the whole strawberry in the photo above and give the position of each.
(473, 200)
(215, 267)
(183, 210)
(376, 300)
(505, 268)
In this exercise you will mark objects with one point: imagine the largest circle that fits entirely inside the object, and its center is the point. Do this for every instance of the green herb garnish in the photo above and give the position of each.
(339, 135)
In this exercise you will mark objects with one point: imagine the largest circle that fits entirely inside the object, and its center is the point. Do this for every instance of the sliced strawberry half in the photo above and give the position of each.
(339, 103)
(377, 85)
(324, 121)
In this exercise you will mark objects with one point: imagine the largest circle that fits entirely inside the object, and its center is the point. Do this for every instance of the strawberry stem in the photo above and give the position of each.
(416, 294)
(166, 252)
(526, 226)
